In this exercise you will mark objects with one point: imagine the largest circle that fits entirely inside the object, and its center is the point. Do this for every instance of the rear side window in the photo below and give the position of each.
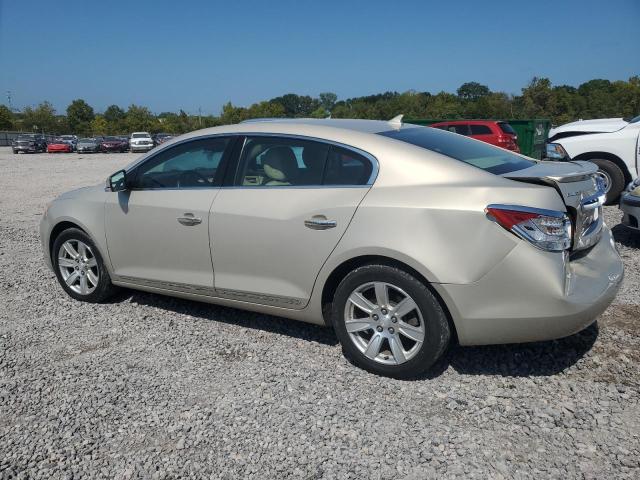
(481, 155)
(281, 162)
(480, 130)
(459, 129)
(506, 128)
(345, 167)
(269, 161)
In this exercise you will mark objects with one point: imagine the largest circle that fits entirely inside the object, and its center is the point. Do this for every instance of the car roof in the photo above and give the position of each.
(357, 125)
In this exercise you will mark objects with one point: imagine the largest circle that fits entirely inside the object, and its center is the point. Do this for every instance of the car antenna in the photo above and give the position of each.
(396, 121)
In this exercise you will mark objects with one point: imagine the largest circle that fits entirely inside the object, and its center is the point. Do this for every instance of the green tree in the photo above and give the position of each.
(79, 116)
(99, 125)
(40, 119)
(472, 91)
(115, 118)
(297, 105)
(139, 119)
(328, 100)
(6, 118)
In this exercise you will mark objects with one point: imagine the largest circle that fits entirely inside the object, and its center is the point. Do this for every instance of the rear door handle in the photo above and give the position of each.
(189, 220)
(320, 222)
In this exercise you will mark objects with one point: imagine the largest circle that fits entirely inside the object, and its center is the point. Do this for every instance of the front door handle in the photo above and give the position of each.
(320, 222)
(189, 220)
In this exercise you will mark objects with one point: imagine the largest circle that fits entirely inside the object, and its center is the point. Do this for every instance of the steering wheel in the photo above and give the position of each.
(190, 178)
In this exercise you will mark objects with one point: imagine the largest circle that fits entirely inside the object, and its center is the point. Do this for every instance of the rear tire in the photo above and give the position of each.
(79, 267)
(614, 176)
(389, 322)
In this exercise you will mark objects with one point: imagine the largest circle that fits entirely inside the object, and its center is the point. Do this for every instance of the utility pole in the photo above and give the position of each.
(9, 100)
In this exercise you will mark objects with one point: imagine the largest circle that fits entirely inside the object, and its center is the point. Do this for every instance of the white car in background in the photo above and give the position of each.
(140, 142)
(610, 143)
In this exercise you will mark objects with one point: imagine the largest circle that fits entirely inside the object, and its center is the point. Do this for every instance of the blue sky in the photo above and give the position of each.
(200, 54)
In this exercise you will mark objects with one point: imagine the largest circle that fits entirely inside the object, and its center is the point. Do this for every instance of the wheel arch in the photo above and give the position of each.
(607, 156)
(61, 227)
(342, 270)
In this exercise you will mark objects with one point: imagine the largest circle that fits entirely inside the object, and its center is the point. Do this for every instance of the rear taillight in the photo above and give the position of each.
(546, 229)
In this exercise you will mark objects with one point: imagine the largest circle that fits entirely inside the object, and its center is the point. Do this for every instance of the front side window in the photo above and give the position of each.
(192, 164)
(482, 155)
(275, 161)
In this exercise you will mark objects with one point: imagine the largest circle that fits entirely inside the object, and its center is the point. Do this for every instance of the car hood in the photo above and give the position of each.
(600, 125)
(82, 192)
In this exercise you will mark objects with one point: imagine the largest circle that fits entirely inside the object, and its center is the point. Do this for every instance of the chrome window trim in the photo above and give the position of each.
(371, 180)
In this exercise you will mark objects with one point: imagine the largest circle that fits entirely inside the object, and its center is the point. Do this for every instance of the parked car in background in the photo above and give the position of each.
(71, 140)
(59, 146)
(497, 133)
(398, 236)
(88, 145)
(630, 205)
(140, 142)
(125, 140)
(113, 144)
(160, 138)
(611, 143)
(29, 144)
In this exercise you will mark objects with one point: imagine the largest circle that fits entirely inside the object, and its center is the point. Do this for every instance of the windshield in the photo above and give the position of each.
(111, 139)
(479, 154)
(635, 119)
(86, 140)
(140, 135)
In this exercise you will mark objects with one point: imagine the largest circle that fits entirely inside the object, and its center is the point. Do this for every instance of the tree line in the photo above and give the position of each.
(596, 98)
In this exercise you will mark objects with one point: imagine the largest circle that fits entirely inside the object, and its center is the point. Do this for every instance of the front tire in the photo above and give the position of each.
(79, 267)
(614, 179)
(389, 322)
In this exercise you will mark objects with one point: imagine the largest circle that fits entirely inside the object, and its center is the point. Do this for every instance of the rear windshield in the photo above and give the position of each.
(140, 135)
(506, 128)
(479, 154)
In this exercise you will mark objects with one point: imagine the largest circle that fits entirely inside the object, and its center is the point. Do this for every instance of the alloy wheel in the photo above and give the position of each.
(78, 267)
(384, 323)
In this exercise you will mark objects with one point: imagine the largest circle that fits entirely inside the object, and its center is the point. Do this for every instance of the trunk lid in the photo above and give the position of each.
(582, 191)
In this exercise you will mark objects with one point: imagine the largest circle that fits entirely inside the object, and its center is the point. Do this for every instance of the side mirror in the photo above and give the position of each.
(118, 181)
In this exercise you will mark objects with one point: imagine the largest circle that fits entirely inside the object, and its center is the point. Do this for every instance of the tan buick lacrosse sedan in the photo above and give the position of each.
(397, 236)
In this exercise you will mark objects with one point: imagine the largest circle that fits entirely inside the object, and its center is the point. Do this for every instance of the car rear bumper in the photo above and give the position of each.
(532, 295)
(21, 148)
(630, 206)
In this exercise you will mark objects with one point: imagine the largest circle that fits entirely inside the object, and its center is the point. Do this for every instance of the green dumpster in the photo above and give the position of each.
(532, 132)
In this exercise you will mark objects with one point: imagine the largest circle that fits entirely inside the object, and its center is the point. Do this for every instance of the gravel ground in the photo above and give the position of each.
(152, 387)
